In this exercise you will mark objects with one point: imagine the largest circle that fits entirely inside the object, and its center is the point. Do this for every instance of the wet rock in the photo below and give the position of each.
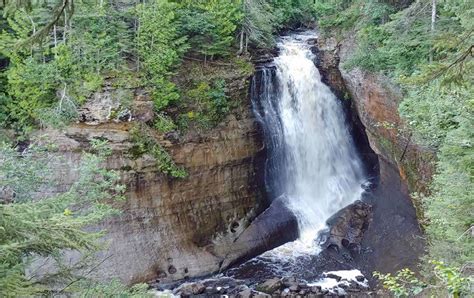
(360, 278)
(302, 285)
(211, 291)
(294, 288)
(343, 285)
(261, 295)
(347, 227)
(273, 227)
(234, 291)
(289, 281)
(363, 287)
(192, 289)
(333, 276)
(316, 289)
(270, 286)
(245, 293)
(285, 292)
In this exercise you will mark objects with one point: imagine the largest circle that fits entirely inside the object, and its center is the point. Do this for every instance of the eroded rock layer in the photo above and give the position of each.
(170, 228)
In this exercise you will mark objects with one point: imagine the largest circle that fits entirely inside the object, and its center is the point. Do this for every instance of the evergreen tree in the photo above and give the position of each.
(34, 226)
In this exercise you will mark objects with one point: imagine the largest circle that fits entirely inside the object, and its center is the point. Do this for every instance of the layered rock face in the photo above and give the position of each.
(170, 228)
(393, 239)
(375, 100)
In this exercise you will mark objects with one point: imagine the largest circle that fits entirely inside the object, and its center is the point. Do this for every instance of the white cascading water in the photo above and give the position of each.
(311, 161)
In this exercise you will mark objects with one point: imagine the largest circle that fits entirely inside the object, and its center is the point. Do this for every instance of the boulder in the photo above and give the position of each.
(316, 289)
(347, 227)
(289, 281)
(294, 288)
(245, 293)
(270, 286)
(333, 276)
(360, 278)
(192, 289)
(272, 228)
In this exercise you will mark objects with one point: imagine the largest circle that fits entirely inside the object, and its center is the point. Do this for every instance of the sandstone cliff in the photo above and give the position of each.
(375, 100)
(170, 228)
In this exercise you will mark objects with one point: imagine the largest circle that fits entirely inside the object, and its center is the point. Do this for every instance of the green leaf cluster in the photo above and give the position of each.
(144, 143)
(159, 48)
(34, 226)
(403, 284)
(448, 281)
(54, 77)
(210, 25)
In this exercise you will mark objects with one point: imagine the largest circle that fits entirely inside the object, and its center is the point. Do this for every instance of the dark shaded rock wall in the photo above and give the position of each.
(375, 100)
(393, 239)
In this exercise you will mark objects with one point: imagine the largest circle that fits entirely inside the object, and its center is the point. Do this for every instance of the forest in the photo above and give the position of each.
(55, 54)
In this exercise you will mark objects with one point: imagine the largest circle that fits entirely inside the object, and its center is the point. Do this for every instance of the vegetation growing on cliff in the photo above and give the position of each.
(427, 48)
(35, 228)
(55, 54)
(144, 143)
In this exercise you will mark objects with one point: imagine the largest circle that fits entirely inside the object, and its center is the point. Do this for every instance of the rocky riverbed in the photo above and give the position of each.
(334, 283)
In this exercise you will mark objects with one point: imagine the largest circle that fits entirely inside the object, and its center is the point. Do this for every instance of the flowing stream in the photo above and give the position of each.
(311, 163)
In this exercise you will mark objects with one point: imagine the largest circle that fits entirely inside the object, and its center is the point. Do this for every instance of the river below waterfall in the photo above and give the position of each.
(313, 169)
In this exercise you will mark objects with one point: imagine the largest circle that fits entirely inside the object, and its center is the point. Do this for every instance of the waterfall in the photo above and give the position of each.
(311, 159)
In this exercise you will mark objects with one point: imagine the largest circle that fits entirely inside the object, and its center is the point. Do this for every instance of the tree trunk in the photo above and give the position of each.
(433, 21)
(246, 43)
(55, 41)
(241, 44)
(65, 26)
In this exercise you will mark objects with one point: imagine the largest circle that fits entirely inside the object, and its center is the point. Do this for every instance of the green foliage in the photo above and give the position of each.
(45, 83)
(439, 108)
(55, 55)
(163, 123)
(263, 18)
(112, 289)
(159, 48)
(209, 102)
(403, 284)
(32, 227)
(144, 143)
(210, 25)
(32, 85)
(432, 120)
(258, 23)
(449, 281)
(292, 13)
(337, 16)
